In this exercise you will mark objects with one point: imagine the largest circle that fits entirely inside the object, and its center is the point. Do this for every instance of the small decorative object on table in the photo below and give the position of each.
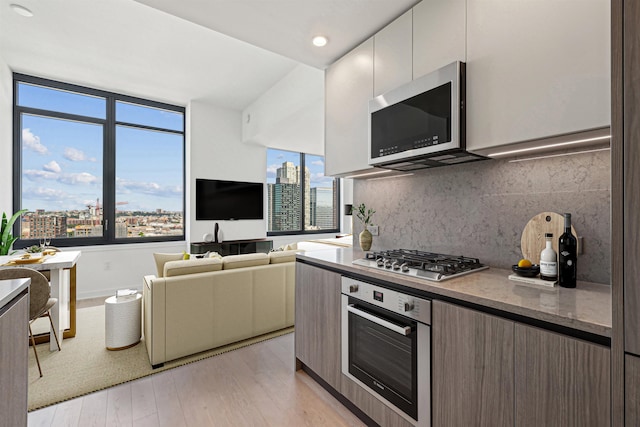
(365, 215)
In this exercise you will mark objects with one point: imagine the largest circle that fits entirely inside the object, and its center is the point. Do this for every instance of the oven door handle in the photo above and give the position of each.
(402, 330)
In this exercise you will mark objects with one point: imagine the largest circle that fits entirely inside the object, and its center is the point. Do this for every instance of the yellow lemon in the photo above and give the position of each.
(524, 263)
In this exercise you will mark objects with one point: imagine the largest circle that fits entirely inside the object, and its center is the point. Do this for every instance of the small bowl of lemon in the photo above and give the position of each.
(525, 268)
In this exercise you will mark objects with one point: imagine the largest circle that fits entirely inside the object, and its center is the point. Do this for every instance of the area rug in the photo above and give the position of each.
(84, 365)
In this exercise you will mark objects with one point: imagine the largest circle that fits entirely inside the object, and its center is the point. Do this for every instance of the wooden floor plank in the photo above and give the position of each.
(42, 417)
(119, 406)
(94, 409)
(143, 400)
(252, 386)
(68, 413)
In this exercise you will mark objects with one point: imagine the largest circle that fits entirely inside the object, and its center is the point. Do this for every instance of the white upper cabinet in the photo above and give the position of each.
(348, 89)
(393, 55)
(536, 69)
(438, 34)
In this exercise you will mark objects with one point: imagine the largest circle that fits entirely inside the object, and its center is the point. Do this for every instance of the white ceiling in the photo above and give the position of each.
(224, 52)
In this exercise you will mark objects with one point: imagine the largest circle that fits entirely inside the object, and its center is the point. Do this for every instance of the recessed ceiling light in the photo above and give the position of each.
(319, 41)
(21, 10)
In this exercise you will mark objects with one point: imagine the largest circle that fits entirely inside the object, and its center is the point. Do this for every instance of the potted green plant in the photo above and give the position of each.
(6, 238)
(365, 215)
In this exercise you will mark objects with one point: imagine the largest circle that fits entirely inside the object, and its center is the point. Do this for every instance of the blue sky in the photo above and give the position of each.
(62, 165)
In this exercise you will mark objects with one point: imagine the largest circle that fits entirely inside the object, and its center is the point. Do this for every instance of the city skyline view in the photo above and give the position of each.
(291, 179)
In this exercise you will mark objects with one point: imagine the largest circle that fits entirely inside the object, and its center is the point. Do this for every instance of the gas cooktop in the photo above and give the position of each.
(424, 265)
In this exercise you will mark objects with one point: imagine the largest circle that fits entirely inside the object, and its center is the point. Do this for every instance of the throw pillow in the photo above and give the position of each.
(162, 258)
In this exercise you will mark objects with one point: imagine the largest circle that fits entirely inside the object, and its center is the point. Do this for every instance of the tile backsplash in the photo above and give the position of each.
(480, 209)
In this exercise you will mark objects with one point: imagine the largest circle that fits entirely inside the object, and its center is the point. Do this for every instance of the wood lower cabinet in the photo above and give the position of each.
(14, 335)
(632, 390)
(472, 367)
(317, 335)
(560, 381)
(490, 371)
(371, 406)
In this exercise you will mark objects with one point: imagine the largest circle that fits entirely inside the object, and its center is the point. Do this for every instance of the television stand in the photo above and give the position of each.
(232, 247)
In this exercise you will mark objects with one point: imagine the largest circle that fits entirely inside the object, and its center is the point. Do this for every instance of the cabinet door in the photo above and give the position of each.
(632, 390)
(348, 90)
(439, 29)
(536, 69)
(393, 55)
(631, 89)
(472, 367)
(14, 337)
(561, 381)
(317, 321)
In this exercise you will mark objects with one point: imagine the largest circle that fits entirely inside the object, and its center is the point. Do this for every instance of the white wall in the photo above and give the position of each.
(217, 152)
(6, 144)
(290, 115)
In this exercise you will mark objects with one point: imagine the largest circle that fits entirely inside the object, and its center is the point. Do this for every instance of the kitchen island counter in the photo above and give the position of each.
(586, 308)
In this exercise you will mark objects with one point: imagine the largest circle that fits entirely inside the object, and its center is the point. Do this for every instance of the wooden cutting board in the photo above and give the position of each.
(532, 241)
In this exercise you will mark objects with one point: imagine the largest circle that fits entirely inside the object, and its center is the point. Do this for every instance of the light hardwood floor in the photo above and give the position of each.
(252, 386)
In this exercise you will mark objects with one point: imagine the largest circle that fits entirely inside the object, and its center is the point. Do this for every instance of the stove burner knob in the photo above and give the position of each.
(405, 267)
(395, 265)
(387, 263)
(353, 289)
(408, 306)
(380, 262)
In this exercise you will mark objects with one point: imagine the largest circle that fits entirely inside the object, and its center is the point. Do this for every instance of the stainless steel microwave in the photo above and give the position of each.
(422, 123)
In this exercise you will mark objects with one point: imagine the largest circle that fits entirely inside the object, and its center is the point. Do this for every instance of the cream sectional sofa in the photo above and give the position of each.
(196, 305)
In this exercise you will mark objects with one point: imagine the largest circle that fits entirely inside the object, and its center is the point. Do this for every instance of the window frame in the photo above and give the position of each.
(302, 202)
(109, 125)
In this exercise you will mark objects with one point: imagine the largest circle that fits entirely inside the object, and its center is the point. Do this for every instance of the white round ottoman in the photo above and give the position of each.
(122, 321)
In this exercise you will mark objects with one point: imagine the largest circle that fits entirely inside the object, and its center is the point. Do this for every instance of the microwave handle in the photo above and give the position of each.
(402, 330)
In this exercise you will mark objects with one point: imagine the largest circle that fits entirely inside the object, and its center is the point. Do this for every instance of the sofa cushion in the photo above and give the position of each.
(190, 266)
(162, 258)
(247, 260)
(282, 256)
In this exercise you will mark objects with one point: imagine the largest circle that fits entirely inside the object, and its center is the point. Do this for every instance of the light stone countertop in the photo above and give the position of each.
(585, 308)
(9, 289)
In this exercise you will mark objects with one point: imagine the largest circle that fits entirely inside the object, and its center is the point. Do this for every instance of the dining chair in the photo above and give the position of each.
(40, 301)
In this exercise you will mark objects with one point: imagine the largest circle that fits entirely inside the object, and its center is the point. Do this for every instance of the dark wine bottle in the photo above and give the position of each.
(567, 255)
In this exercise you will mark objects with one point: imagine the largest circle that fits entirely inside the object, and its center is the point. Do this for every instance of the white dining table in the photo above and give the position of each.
(60, 287)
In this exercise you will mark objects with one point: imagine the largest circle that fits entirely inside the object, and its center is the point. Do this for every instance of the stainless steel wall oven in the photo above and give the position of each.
(386, 346)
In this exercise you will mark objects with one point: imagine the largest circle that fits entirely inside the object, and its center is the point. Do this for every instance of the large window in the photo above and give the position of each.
(95, 167)
(301, 199)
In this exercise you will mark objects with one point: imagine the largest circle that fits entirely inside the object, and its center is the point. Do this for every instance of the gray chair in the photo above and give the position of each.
(40, 301)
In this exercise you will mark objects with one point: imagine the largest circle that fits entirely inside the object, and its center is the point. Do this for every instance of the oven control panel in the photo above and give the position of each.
(392, 300)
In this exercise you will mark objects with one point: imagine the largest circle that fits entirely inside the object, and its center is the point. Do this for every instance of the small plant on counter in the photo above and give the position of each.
(33, 249)
(6, 238)
(365, 214)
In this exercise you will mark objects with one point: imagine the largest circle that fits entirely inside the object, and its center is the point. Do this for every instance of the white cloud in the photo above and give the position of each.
(52, 166)
(318, 163)
(65, 178)
(35, 175)
(78, 178)
(75, 155)
(32, 142)
(124, 186)
(272, 169)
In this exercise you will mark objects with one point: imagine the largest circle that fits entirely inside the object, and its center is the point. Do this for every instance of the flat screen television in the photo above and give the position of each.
(229, 200)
